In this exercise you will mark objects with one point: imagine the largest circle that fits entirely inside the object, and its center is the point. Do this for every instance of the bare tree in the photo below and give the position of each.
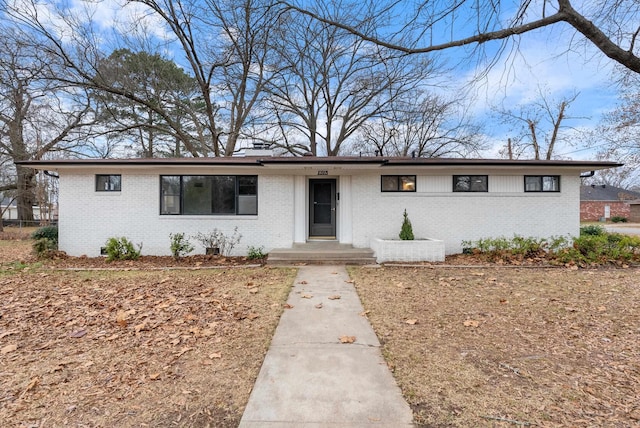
(612, 27)
(537, 127)
(331, 83)
(423, 126)
(225, 49)
(38, 115)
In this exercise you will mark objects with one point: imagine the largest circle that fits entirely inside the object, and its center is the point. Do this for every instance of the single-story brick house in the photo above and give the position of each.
(601, 202)
(276, 202)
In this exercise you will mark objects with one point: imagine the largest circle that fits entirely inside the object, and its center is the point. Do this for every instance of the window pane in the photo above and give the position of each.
(532, 184)
(248, 185)
(408, 183)
(170, 195)
(108, 183)
(461, 183)
(247, 195)
(389, 183)
(479, 183)
(223, 195)
(196, 195)
(470, 183)
(550, 184)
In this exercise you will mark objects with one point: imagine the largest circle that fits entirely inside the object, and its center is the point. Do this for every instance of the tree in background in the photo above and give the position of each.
(430, 26)
(421, 125)
(38, 115)
(538, 127)
(156, 80)
(331, 83)
(224, 47)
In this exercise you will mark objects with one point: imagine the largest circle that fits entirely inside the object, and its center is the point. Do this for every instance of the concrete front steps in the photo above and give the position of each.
(321, 252)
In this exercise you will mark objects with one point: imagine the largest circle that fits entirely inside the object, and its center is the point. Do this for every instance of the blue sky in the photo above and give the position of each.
(545, 61)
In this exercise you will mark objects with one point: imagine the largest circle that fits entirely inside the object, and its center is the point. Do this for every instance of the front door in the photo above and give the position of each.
(322, 208)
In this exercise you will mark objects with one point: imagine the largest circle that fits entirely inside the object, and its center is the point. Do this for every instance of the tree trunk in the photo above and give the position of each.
(26, 193)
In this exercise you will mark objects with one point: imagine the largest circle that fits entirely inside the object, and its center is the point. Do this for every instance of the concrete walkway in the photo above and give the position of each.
(309, 378)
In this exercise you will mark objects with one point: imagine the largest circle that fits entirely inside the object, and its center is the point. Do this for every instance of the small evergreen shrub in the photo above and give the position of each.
(256, 253)
(619, 219)
(49, 232)
(180, 246)
(593, 230)
(406, 232)
(121, 249)
(44, 247)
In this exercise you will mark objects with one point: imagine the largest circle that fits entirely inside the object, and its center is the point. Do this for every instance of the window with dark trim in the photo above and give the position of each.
(398, 183)
(108, 182)
(541, 183)
(208, 194)
(470, 183)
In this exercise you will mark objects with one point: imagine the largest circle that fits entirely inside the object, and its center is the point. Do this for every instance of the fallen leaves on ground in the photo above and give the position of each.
(347, 339)
(121, 348)
(546, 347)
(335, 297)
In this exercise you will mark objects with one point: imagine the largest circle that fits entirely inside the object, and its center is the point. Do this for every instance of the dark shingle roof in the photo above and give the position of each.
(314, 160)
(601, 192)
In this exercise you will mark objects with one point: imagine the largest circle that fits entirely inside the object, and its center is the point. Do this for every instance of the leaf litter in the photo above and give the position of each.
(506, 347)
(120, 348)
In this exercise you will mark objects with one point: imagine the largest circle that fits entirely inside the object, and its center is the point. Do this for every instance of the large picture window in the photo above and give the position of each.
(541, 183)
(470, 183)
(108, 183)
(398, 183)
(208, 194)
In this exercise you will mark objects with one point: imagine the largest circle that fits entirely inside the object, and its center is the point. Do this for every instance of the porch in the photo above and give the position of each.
(321, 252)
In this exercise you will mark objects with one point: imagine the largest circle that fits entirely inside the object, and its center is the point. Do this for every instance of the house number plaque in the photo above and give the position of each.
(323, 172)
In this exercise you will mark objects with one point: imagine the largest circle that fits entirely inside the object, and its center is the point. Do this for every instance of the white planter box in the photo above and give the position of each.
(419, 250)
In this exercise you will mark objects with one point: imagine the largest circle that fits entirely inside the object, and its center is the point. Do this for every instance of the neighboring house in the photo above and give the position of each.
(600, 202)
(9, 209)
(276, 202)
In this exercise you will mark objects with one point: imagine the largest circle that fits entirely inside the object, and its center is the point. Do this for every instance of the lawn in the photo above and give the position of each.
(132, 348)
(512, 346)
(469, 347)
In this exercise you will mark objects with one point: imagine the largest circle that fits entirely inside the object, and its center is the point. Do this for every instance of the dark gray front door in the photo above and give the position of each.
(322, 208)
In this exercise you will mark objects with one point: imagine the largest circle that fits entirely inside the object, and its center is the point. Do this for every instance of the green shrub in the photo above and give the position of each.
(121, 249)
(619, 219)
(406, 232)
(256, 253)
(180, 246)
(49, 232)
(592, 230)
(44, 247)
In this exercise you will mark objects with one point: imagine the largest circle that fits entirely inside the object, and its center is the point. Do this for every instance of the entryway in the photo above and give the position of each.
(322, 208)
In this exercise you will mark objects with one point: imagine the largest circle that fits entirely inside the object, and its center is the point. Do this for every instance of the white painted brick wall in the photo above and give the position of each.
(454, 217)
(418, 250)
(88, 218)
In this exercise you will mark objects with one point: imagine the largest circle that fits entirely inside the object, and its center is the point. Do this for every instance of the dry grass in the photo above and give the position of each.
(179, 348)
(500, 347)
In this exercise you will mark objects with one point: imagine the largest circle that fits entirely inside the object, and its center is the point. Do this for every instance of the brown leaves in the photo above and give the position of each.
(8, 348)
(307, 296)
(335, 297)
(32, 384)
(122, 317)
(319, 306)
(288, 306)
(411, 321)
(78, 333)
(471, 323)
(347, 339)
